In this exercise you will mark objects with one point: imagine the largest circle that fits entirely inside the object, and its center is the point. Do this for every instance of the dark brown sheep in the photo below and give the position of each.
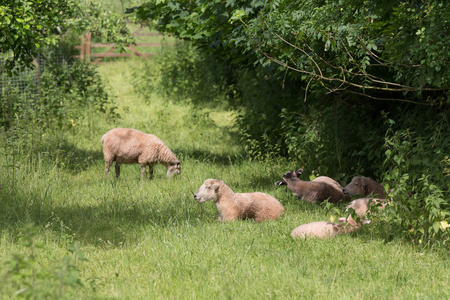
(364, 186)
(317, 190)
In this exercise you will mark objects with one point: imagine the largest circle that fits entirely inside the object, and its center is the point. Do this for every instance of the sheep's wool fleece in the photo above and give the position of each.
(315, 229)
(134, 146)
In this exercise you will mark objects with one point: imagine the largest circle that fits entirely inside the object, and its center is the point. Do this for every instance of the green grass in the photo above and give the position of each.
(145, 240)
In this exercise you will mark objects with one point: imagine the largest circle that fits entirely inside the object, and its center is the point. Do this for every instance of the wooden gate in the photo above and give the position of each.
(86, 47)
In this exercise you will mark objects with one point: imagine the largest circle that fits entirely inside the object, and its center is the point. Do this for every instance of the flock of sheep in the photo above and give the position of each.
(128, 146)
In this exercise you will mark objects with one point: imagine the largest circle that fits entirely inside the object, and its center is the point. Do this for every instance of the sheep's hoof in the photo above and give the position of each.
(280, 183)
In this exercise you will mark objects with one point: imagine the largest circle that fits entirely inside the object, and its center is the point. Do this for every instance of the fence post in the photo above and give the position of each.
(88, 45)
(82, 48)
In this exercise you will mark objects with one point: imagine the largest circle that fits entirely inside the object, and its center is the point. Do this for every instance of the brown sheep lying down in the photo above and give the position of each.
(233, 206)
(131, 146)
(317, 190)
(364, 186)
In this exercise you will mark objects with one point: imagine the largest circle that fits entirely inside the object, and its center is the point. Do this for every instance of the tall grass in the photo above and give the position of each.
(150, 239)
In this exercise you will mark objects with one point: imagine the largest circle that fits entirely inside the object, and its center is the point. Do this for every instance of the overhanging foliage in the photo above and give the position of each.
(380, 49)
(28, 26)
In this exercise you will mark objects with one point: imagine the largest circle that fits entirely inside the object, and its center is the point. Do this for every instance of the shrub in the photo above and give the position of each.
(55, 96)
(417, 166)
(185, 74)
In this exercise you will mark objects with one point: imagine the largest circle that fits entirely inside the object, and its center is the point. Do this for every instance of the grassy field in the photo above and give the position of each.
(145, 240)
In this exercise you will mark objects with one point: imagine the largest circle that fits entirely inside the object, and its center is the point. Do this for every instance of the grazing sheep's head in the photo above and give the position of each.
(358, 186)
(173, 169)
(208, 191)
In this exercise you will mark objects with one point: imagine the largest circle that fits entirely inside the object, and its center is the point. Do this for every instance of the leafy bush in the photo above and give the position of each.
(182, 72)
(417, 167)
(63, 90)
(370, 48)
(30, 26)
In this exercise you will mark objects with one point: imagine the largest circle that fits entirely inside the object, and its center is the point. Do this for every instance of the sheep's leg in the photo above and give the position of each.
(107, 165)
(117, 167)
(143, 166)
(150, 170)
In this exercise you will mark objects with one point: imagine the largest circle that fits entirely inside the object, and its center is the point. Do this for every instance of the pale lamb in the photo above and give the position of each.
(324, 229)
(317, 190)
(362, 207)
(233, 206)
(130, 146)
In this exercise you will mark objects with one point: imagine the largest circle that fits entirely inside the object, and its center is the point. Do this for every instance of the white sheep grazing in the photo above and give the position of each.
(317, 190)
(130, 146)
(324, 229)
(233, 206)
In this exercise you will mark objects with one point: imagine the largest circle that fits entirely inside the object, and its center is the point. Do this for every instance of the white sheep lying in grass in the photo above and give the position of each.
(233, 206)
(130, 146)
(324, 229)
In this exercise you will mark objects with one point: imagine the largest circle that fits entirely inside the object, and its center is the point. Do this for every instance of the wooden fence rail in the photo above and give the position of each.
(86, 47)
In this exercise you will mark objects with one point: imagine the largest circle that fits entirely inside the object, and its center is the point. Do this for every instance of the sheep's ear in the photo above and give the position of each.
(366, 190)
(216, 187)
(280, 183)
(288, 174)
(178, 164)
(299, 172)
(342, 220)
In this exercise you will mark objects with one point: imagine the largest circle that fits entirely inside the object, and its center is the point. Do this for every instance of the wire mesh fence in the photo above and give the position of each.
(24, 82)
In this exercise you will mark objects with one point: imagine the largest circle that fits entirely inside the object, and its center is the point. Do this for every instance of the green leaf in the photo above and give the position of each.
(238, 15)
(436, 226)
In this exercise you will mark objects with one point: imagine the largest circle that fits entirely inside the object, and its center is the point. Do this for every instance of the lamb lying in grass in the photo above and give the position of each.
(362, 207)
(317, 190)
(130, 146)
(324, 229)
(233, 206)
(364, 186)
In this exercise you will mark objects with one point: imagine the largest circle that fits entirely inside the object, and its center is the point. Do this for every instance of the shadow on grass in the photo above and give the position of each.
(205, 156)
(109, 222)
(68, 155)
